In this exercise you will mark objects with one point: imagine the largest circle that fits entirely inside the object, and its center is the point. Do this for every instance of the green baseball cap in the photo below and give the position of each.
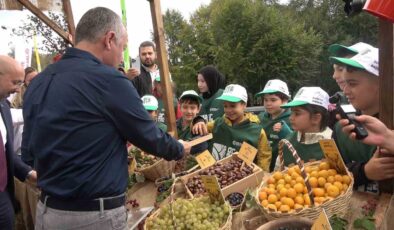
(309, 96)
(150, 102)
(367, 60)
(191, 93)
(234, 93)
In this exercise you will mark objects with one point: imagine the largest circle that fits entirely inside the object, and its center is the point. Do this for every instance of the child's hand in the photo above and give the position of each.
(277, 127)
(200, 128)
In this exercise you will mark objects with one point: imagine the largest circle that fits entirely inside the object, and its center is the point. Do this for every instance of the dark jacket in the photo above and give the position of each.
(79, 113)
(143, 82)
(15, 166)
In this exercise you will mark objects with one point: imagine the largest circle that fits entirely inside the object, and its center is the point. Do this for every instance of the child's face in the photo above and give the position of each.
(153, 114)
(202, 84)
(338, 75)
(362, 89)
(272, 104)
(189, 111)
(234, 111)
(301, 120)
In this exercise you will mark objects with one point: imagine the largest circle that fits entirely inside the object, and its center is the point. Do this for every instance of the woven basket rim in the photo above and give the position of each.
(330, 202)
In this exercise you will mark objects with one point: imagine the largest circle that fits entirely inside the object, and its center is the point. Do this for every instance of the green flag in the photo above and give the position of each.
(126, 58)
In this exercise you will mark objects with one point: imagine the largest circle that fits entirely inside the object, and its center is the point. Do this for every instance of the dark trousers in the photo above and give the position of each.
(6, 212)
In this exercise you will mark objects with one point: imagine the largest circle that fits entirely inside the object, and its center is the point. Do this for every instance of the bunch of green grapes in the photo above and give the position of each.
(191, 214)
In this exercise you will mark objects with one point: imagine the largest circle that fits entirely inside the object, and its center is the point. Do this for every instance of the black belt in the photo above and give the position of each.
(82, 205)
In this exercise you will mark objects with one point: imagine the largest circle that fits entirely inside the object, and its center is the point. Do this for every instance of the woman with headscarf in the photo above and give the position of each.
(211, 84)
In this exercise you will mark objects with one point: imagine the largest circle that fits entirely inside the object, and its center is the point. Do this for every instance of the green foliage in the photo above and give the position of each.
(254, 41)
(52, 43)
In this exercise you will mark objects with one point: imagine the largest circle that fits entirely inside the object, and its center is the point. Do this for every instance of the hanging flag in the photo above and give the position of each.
(126, 59)
(36, 52)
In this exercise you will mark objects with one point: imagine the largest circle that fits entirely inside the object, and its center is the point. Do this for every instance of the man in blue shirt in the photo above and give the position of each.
(78, 114)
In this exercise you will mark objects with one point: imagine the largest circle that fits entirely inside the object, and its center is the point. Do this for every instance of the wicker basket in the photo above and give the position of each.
(161, 168)
(225, 226)
(338, 205)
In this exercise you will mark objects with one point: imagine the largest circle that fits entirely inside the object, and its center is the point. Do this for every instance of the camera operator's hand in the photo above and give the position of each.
(378, 133)
(380, 167)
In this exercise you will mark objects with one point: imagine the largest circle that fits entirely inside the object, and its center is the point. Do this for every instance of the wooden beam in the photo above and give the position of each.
(37, 12)
(68, 13)
(158, 28)
(386, 83)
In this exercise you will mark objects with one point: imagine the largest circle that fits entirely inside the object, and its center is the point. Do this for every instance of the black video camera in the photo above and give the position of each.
(353, 7)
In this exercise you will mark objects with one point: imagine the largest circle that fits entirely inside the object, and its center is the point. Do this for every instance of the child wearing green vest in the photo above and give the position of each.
(210, 83)
(151, 105)
(190, 105)
(275, 120)
(362, 89)
(235, 127)
(309, 118)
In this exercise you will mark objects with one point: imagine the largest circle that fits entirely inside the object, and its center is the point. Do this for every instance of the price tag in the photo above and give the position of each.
(205, 159)
(247, 153)
(332, 154)
(132, 166)
(322, 222)
(212, 186)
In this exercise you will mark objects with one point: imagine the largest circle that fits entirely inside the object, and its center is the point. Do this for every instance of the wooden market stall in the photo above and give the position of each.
(248, 219)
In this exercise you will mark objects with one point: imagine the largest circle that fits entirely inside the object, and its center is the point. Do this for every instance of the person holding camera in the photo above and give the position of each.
(362, 90)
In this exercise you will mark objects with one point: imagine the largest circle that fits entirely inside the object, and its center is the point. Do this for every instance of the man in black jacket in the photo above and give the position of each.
(143, 79)
(11, 79)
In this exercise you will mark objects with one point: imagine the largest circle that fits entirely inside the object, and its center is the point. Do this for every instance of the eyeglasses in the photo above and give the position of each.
(18, 83)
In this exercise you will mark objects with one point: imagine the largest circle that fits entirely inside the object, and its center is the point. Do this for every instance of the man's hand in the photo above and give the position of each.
(277, 127)
(378, 133)
(32, 177)
(380, 168)
(132, 73)
(186, 146)
(200, 128)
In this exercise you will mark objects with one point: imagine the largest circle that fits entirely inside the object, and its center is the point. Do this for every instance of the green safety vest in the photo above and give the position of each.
(161, 117)
(212, 108)
(274, 137)
(228, 139)
(305, 151)
(352, 150)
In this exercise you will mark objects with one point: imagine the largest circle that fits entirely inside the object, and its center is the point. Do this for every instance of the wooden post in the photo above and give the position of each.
(68, 13)
(158, 28)
(37, 12)
(386, 83)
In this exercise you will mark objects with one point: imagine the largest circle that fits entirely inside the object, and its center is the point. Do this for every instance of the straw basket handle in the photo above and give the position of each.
(300, 164)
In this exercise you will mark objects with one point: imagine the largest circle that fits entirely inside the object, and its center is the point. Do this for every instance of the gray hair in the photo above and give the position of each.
(97, 22)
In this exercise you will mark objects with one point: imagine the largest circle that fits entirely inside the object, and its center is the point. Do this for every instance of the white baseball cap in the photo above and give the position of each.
(367, 60)
(336, 49)
(150, 102)
(191, 93)
(275, 86)
(309, 96)
(234, 93)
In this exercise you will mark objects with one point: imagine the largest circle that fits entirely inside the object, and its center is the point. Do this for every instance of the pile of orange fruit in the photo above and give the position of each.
(286, 191)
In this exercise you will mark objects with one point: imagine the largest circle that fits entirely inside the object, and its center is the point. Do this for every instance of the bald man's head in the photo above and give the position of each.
(11, 76)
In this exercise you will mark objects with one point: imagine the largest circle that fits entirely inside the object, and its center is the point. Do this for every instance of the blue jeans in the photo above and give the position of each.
(48, 219)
